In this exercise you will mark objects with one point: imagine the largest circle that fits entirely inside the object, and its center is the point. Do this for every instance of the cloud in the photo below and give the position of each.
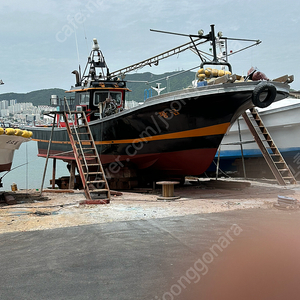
(29, 34)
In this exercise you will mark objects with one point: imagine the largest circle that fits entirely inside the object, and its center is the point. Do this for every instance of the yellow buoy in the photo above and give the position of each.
(10, 131)
(221, 73)
(208, 72)
(227, 73)
(215, 72)
(201, 76)
(18, 132)
(27, 134)
(201, 71)
(1, 130)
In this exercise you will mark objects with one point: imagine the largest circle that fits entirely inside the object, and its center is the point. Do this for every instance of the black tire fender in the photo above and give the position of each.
(264, 101)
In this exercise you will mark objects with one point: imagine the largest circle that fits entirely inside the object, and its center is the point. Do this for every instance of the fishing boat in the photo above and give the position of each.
(170, 135)
(10, 140)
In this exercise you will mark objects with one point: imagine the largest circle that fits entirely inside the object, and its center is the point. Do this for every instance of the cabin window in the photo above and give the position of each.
(102, 96)
(84, 98)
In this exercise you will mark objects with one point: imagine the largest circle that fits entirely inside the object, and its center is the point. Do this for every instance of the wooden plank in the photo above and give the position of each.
(72, 175)
(58, 191)
(283, 78)
(53, 172)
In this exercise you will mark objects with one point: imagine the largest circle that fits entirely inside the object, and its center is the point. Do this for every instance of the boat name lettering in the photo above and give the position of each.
(10, 142)
(168, 111)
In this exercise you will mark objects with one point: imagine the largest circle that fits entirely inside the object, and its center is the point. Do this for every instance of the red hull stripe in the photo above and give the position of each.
(186, 162)
(206, 131)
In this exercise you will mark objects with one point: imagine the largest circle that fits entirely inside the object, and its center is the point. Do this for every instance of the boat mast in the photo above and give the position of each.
(196, 40)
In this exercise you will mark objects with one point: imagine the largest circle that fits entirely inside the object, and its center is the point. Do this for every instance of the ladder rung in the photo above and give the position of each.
(93, 173)
(95, 181)
(98, 190)
(90, 165)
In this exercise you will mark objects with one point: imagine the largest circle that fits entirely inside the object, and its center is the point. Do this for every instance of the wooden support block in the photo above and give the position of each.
(167, 190)
(95, 201)
(72, 175)
(9, 199)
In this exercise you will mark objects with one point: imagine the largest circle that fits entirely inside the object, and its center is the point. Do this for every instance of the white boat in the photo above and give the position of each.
(10, 140)
(283, 122)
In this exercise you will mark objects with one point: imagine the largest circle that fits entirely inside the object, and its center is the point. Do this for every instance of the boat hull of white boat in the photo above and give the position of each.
(283, 124)
(8, 145)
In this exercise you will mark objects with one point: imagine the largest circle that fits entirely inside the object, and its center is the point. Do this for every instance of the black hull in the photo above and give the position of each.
(171, 134)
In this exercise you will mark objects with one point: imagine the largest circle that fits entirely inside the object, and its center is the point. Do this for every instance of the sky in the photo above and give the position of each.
(43, 41)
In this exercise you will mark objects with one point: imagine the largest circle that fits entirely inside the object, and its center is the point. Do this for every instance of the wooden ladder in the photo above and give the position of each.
(275, 160)
(88, 162)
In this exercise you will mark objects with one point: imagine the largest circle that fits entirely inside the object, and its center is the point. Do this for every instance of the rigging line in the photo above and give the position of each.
(204, 56)
(85, 37)
(242, 49)
(77, 47)
(137, 81)
(221, 170)
(202, 52)
(173, 75)
(18, 167)
(244, 40)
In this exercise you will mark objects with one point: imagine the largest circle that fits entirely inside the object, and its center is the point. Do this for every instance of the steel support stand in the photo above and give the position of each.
(48, 152)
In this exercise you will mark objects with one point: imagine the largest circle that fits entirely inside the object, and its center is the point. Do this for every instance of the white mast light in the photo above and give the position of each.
(96, 45)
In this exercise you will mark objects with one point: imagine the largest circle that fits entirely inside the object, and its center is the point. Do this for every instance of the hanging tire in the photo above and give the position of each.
(259, 98)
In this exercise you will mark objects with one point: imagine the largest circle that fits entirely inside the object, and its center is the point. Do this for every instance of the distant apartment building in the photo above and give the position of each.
(4, 104)
(4, 113)
(24, 112)
(12, 102)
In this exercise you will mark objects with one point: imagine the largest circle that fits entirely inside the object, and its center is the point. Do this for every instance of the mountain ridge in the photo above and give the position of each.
(137, 83)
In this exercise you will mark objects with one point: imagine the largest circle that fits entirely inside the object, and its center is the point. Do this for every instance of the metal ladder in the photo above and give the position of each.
(275, 161)
(88, 162)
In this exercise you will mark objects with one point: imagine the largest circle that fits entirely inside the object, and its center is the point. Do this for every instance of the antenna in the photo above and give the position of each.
(77, 54)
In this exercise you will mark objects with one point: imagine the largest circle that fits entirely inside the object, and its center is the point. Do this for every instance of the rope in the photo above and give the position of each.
(167, 77)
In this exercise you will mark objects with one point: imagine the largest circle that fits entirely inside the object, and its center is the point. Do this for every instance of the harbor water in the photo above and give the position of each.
(27, 169)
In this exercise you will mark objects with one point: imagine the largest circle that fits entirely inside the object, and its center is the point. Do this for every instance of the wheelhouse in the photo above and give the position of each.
(95, 92)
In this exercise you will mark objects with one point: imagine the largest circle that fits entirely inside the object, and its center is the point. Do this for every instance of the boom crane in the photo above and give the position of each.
(155, 59)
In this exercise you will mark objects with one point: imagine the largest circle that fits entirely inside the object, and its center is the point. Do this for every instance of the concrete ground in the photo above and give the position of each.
(56, 210)
(139, 248)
